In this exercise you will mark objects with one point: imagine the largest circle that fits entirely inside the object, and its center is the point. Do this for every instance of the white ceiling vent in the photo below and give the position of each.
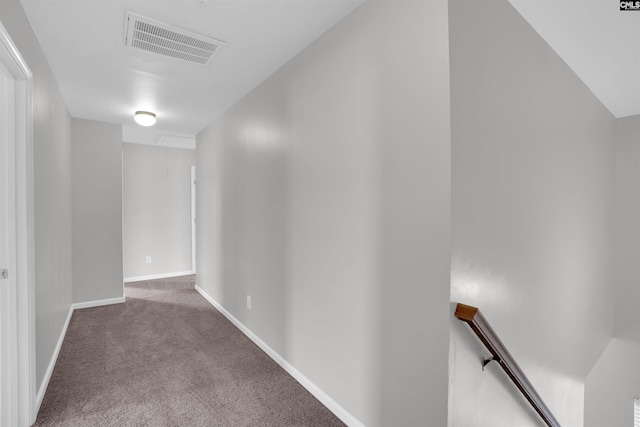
(162, 39)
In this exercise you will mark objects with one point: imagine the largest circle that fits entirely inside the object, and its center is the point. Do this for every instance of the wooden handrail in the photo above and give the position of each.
(487, 335)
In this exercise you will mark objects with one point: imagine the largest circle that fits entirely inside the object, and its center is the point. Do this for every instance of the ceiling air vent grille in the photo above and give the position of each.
(162, 39)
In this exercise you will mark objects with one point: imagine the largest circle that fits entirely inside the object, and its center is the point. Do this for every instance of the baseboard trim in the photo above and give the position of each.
(157, 276)
(323, 397)
(52, 363)
(97, 303)
(56, 352)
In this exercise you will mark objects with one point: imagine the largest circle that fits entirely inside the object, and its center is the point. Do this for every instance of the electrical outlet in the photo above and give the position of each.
(149, 259)
(249, 302)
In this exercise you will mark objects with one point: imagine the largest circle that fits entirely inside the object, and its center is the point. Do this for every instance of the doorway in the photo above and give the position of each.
(8, 299)
(193, 219)
(17, 301)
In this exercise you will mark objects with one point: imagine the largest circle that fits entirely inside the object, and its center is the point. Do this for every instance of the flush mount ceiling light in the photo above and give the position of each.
(144, 118)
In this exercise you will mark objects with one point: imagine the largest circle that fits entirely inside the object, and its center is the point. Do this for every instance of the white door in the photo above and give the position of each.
(8, 291)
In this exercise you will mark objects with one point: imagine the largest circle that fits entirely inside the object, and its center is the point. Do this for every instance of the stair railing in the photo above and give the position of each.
(484, 331)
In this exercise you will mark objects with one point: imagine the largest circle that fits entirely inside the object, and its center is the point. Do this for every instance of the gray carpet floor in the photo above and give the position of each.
(166, 357)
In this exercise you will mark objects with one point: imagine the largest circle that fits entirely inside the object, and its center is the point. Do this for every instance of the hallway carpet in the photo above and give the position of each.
(167, 358)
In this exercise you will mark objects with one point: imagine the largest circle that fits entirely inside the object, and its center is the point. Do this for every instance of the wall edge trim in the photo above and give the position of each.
(316, 391)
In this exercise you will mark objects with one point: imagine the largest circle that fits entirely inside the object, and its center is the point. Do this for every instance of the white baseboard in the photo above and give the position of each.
(52, 363)
(54, 358)
(323, 397)
(157, 276)
(97, 303)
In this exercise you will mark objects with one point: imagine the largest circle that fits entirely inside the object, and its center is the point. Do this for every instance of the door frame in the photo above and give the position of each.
(193, 219)
(25, 403)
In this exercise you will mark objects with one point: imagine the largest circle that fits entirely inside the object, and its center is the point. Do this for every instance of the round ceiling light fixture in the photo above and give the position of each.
(145, 118)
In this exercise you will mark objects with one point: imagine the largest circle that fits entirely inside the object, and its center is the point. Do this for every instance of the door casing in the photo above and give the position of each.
(21, 319)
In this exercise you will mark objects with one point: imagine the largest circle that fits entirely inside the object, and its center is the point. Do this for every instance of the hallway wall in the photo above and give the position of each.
(627, 227)
(324, 194)
(614, 381)
(52, 188)
(97, 210)
(532, 198)
(612, 386)
(156, 209)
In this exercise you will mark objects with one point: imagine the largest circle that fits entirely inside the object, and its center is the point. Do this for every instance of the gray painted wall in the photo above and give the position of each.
(413, 209)
(97, 210)
(532, 198)
(615, 380)
(627, 214)
(52, 187)
(324, 194)
(156, 209)
(612, 386)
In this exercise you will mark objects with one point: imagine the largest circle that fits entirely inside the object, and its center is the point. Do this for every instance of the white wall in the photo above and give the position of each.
(532, 198)
(324, 194)
(156, 209)
(97, 210)
(52, 186)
